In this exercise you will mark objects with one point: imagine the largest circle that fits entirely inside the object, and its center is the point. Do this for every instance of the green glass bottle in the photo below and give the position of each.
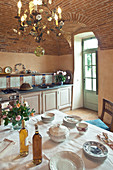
(37, 147)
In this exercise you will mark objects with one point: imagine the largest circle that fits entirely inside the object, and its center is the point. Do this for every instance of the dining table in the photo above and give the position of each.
(9, 145)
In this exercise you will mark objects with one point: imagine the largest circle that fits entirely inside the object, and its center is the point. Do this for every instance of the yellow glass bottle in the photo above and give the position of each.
(37, 147)
(23, 134)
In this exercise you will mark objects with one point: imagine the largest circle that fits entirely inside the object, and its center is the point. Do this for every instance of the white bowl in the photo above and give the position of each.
(71, 120)
(47, 117)
(58, 133)
(82, 127)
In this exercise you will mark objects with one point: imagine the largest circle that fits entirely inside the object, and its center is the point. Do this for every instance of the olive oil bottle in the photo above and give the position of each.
(37, 147)
(23, 134)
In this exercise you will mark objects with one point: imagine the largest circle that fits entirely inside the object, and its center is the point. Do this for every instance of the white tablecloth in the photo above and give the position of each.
(9, 157)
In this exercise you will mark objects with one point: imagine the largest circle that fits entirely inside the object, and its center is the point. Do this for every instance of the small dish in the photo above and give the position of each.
(71, 120)
(47, 117)
(95, 150)
(82, 127)
(8, 69)
(66, 160)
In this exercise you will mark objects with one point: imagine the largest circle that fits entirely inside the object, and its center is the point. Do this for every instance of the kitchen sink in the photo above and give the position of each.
(46, 85)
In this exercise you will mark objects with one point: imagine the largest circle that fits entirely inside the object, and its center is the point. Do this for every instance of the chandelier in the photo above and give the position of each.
(38, 19)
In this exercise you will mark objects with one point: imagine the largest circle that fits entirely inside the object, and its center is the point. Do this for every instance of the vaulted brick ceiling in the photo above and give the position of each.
(79, 15)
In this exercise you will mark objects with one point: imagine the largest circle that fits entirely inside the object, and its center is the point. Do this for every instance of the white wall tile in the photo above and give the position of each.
(27, 79)
(48, 79)
(38, 80)
(3, 83)
(14, 81)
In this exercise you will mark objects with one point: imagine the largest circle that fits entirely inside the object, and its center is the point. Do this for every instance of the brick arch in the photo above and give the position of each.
(95, 16)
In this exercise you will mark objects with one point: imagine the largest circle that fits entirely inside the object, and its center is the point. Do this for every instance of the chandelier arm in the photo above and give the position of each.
(36, 23)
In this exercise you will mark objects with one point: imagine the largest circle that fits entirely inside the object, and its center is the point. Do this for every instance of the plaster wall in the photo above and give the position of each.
(43, 64)
(105, 76)
(66, 62)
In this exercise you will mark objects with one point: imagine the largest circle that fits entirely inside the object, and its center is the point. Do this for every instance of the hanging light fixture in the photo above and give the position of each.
(38, 19)
(39, 51)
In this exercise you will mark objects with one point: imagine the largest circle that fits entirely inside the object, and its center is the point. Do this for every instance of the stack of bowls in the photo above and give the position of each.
(71, 121)
(47, 117)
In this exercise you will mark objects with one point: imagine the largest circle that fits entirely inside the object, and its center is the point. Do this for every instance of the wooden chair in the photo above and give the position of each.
(107, 109)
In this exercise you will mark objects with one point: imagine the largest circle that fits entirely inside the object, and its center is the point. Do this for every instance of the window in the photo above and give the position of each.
(90, 43)
(90, 64)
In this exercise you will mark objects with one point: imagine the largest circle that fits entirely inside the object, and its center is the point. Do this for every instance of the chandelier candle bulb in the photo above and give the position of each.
(59, 12)
(23, 134)
(19, 5)
(35, 4)
(50, 2)
(56, 18)
(37, 147)
(22, 19)
(39, 2)
(48, 32)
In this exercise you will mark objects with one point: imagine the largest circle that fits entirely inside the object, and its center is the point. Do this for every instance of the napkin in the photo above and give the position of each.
(106, 139)
(5, 128)
(5, 145)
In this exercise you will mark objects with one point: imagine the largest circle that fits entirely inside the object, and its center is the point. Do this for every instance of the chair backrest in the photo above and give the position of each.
(107, 108)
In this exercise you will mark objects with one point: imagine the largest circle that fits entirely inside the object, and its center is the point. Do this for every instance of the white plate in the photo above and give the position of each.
(8, 69)
(95, 150)
(66, 160)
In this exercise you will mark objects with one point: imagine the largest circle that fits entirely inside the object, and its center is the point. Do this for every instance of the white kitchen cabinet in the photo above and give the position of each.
(34, 100)
(64, 100)
(57, 99)
(50, 100)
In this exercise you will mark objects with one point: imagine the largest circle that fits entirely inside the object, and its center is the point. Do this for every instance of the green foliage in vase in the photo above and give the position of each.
(16, 114)
(60, 76)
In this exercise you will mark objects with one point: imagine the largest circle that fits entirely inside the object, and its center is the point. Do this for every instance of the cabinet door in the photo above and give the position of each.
(34, 101)
(50, 100)
(64, 97)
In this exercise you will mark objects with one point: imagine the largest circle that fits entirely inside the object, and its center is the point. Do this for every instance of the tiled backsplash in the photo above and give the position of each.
(33, 80)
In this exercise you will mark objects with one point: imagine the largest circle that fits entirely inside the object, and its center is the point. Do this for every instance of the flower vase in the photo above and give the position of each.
(61, 82)
(17, 126)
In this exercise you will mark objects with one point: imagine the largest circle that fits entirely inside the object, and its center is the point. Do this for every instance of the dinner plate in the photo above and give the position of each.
(66, 160)
(95, 150)
(8, 69)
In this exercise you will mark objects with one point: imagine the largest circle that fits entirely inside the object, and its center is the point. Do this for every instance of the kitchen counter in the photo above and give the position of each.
(38, 88)
(42, 99)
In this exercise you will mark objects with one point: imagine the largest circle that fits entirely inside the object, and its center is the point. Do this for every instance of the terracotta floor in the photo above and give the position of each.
(85, 114)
